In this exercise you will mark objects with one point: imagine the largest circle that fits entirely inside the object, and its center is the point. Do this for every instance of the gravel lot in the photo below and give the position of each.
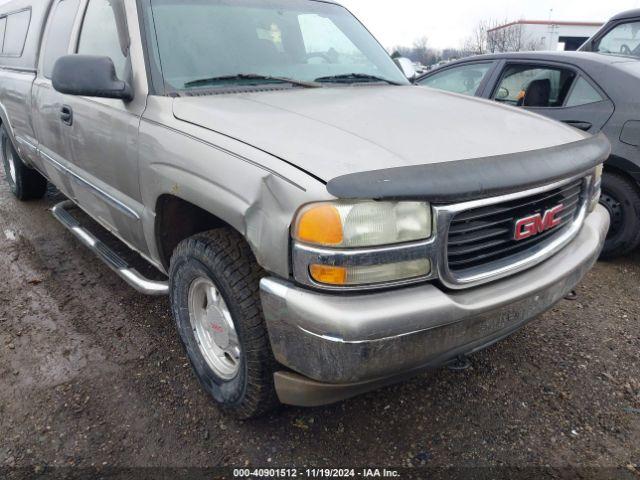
(92, 374)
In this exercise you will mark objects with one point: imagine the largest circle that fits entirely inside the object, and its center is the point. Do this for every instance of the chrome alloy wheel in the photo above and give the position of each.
(11, 161)
(213, 329)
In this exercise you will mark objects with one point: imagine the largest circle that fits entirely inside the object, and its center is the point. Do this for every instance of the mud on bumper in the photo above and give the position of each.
(341, 345)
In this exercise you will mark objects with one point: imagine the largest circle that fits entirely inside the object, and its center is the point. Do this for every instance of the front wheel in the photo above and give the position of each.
(215, 300)
(25, 183)
(621, 198)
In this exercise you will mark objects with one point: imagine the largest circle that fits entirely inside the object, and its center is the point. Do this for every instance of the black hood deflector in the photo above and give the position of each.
(476, 178)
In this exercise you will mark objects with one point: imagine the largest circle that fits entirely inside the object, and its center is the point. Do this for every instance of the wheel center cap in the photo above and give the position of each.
(218, 327)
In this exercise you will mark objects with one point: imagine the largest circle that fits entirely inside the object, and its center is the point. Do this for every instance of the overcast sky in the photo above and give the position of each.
(447, 23)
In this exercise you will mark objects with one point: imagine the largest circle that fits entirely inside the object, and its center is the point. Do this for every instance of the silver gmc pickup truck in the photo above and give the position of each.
(323, 226)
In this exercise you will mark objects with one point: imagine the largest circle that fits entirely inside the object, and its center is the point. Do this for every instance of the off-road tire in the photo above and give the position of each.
(621, 197)
(225, 258)
(28, 184)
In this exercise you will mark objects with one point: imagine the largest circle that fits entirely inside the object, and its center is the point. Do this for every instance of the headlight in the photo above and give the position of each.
(349, 244)
(363, 224)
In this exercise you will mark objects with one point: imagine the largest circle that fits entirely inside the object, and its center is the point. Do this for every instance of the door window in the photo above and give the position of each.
(3, 25)
(623, 39)
(59, 33)
(534, 86)
(583, 94)
(99, 34)
(15, 35)
(465, 79)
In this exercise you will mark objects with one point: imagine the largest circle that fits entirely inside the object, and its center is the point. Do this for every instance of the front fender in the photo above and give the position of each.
(259, 201)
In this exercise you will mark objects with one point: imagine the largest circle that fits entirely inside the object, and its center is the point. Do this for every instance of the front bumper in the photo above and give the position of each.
(346, 344)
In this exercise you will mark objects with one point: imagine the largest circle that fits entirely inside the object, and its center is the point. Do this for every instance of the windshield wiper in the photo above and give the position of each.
(203, 82)
(354, 78)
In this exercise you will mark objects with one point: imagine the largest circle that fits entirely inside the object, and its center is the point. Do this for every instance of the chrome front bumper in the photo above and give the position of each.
(357, 339)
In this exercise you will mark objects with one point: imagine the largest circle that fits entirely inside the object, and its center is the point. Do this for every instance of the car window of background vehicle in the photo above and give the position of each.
(623, 39)
(583, 94)
(534, 86)
(299, 40)
(99, 34)
(465, 79)
(59, 34)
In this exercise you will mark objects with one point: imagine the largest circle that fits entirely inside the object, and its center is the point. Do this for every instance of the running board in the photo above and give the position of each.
(108, 256)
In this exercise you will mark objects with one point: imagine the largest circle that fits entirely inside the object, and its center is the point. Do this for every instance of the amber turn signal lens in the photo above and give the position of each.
(328, 275)
(320, 225)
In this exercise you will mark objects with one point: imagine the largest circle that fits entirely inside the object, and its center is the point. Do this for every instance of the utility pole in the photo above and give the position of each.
(552, 31)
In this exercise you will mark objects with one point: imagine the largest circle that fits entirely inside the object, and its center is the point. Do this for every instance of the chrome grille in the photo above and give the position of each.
(481, 236)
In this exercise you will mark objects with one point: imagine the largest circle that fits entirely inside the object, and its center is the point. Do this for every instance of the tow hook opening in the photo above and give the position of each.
(459, 364)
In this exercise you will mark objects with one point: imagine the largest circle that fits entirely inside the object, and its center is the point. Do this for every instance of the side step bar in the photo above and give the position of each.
(108, 256)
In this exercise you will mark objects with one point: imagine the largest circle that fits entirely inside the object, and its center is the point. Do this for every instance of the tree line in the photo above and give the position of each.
(486, 37)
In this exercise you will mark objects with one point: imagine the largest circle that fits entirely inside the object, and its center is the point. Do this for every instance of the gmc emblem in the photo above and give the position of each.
(536, 224)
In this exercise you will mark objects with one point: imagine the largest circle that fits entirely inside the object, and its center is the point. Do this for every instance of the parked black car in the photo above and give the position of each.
(590, 91)
(619, 36)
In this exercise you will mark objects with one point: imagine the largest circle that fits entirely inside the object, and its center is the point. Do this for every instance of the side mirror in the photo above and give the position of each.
(407, 67)
(89, 76)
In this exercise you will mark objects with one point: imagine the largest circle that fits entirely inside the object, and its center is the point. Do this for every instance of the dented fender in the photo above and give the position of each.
(252, 191)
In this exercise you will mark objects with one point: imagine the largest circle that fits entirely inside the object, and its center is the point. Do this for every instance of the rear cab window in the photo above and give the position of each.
(3, 26)
(465, 79)
(14, 28)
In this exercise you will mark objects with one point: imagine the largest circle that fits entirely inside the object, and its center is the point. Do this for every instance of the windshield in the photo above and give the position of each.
(622, 40)
(212, 43)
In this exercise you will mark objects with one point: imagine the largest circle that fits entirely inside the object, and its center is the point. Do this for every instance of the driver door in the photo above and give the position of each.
(102, 133)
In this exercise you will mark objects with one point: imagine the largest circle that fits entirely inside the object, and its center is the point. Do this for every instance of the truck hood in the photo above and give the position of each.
(330, 132)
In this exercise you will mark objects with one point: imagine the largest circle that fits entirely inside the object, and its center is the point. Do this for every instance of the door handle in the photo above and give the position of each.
(586, 126)
(66, 115)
